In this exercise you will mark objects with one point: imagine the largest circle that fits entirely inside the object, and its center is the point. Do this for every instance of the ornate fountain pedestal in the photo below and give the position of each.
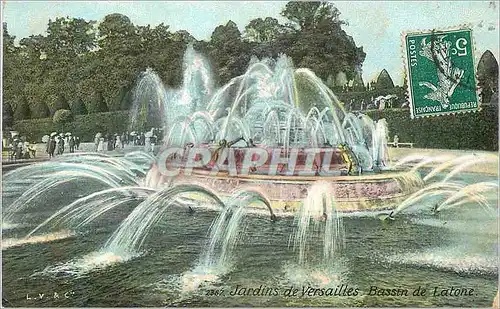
(286, 193)
(286, 189)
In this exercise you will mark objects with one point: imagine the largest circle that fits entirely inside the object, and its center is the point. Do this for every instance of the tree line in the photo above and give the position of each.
(88, 67)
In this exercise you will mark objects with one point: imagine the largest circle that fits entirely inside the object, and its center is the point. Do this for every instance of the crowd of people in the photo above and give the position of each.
(19, 148)
(380, 103)
(58, 143)
(109, 142)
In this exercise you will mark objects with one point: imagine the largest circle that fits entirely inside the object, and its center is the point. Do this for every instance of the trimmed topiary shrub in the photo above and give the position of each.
(97, 104)
(22, 111)
(78, 107)
(62, 116)
(39, 110)
(7, 116)
(56, 102)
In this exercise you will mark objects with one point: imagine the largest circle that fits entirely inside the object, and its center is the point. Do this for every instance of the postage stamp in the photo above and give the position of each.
(441, 72)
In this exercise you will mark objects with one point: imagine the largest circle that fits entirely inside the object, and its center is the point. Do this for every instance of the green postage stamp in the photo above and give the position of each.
(441, 72)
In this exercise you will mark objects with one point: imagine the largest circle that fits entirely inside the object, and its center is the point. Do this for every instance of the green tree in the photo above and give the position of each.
(22, 111)
(78, 107)
(151, 37)
(39, 110)
(33, 64)
(309, 15)
(358, 83)
(118, 98)
(67, 41)
(183, 36)
(56, 102)
(33, 47)
(318, 41)
(228, 51)
(68, 38)
(8, 40)
(118, 61)
(163, 51)
(384, 81)
(124, 98)
(263, 30)
(12, 76)
(73, 60)
(7, 116)
(97, 104)
(118, 35)
(61, 118)
(487, 75)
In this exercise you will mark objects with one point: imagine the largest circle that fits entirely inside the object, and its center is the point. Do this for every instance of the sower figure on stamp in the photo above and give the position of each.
(441, 72)
(448, 76)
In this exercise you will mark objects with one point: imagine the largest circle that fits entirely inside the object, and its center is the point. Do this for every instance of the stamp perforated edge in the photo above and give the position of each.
(406, 70)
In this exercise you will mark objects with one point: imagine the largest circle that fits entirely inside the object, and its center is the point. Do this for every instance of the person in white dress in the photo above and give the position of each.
(100, 147)
(117, 141)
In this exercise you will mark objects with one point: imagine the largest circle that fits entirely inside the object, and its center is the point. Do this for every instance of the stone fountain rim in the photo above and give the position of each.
(383, 177)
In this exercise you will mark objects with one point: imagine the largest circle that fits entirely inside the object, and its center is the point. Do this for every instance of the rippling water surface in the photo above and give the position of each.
(457, 248)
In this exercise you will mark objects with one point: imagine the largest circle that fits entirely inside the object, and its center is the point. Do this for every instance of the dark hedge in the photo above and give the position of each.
(84, 126)
(462, 131)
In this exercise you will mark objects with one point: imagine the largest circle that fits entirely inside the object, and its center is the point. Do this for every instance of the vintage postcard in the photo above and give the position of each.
(249, 154)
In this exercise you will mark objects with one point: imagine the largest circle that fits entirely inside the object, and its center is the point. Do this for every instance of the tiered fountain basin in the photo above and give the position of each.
(286, 193)
(286, 190)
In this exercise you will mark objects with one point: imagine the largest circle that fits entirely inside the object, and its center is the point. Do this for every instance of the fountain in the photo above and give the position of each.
(243, 156)
(275, 107)
(148, 102)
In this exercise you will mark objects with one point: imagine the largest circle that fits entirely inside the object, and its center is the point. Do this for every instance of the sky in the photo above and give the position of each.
(377, 26)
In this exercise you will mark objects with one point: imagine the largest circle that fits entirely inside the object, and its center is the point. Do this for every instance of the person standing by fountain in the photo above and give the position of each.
(12, 152)
(123, 140)
(48, 145)
(62, 144)
(97, 140)
(396, 141)
(77, 142)
(18, 146)
(66, 139)
(100, 144)
(26, 154)
(71, 144)
(147, 144)
(57, 144)
(111, 142)
(51, 146)
(153, 142)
